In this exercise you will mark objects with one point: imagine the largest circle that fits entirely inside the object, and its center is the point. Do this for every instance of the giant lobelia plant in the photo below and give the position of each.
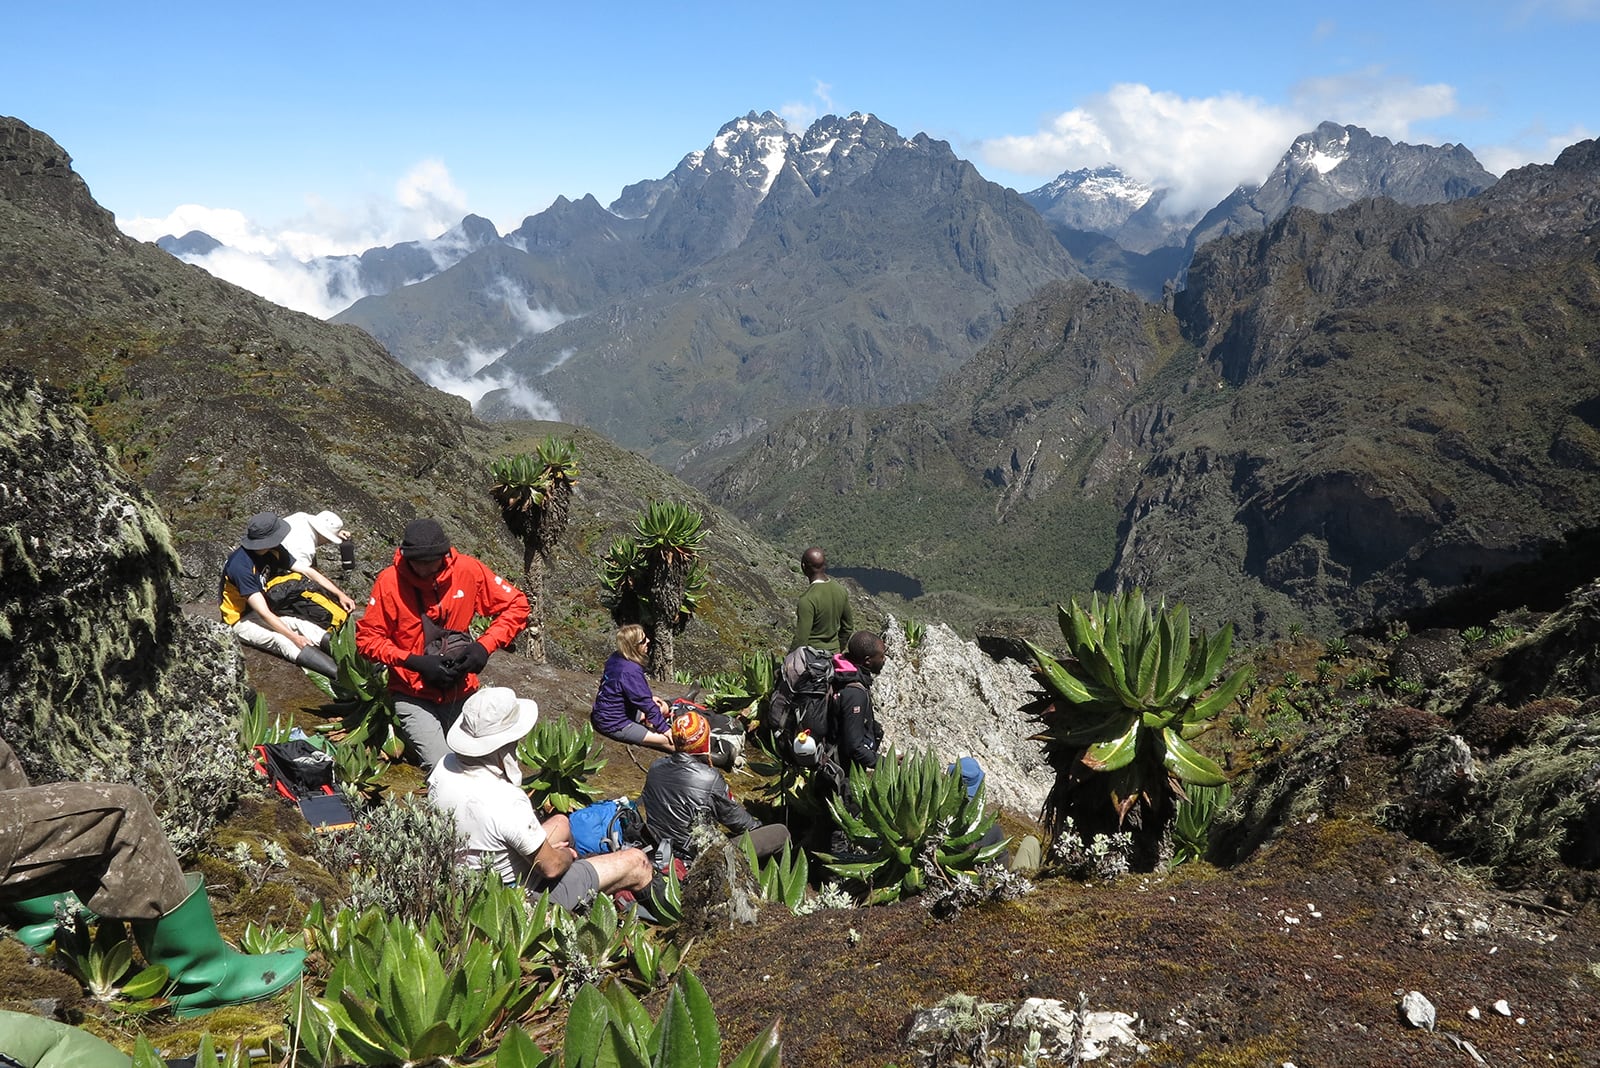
(655, 576)
(1119, 714)
(535, 497)
(915, 824)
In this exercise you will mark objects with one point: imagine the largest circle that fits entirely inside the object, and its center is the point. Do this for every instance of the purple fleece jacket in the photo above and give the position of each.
(624, 691)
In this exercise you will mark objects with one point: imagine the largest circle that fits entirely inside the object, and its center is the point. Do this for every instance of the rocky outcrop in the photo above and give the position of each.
(1335, 166)
(101, 676)
(949, 696)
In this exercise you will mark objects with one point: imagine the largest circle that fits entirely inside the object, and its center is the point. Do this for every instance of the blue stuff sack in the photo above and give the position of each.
(604, 827)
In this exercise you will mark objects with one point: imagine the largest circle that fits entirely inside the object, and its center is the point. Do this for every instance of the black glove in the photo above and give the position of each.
(471, 662)
(436, 672)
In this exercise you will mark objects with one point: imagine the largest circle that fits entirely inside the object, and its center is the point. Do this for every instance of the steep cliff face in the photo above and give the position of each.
(101, 676)
(1398, 400)
(1009, 481)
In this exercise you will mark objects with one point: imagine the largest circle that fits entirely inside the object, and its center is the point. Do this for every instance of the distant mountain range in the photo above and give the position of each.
(221, 404)
(1344, 417)
(768, 272)
(1340, 416)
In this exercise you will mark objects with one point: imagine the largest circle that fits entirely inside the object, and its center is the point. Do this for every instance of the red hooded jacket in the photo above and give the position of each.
(391, 628)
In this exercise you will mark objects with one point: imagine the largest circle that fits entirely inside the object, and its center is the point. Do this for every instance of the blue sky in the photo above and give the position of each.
(307, 128)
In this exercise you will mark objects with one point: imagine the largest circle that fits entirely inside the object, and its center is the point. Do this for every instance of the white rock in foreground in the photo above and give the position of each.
(1418, 1010)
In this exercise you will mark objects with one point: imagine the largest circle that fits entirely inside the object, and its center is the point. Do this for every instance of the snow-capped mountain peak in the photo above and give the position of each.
(1322, 150)
(1108, 184)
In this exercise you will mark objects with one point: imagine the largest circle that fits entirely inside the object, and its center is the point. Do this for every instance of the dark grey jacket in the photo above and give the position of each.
(680, 791)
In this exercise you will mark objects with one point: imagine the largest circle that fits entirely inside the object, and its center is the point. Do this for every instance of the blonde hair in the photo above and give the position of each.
(630, 642)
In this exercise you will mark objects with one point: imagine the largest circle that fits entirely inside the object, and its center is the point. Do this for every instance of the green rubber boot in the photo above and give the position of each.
(35, 918)
(209, 974)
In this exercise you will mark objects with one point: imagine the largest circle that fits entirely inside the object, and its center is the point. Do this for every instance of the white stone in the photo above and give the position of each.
(1418, 1010)
(949, 695)
(1503, 1007)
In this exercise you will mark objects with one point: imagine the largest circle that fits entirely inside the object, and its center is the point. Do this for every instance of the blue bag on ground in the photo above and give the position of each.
(604, 827)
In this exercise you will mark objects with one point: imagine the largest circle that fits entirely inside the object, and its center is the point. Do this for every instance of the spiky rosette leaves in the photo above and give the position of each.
(1129, 697)
(915, 822)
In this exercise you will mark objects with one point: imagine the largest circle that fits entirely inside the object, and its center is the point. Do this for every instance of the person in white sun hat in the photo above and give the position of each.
(480, 784)
(306, 533)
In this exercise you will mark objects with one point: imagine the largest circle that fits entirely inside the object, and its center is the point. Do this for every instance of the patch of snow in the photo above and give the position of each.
(1325, 161)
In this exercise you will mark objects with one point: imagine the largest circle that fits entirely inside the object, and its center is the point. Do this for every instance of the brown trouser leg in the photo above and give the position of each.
(100, 840)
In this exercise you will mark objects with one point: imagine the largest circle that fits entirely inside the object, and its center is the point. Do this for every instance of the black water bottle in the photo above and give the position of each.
(347, 555)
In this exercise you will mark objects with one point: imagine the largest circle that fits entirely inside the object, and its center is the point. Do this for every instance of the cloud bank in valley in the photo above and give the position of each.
(467, 375)
(461, 377)
(289, 263)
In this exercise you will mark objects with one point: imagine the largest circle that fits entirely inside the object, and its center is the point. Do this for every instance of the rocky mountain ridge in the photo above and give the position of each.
(1344, 417)
(1335, 166)
(219, 404)
(853, 267)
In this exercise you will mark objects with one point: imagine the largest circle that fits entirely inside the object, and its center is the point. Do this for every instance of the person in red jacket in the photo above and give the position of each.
(417, 622)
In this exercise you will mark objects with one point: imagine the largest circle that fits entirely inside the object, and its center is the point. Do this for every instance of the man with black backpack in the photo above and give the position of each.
(858, 735)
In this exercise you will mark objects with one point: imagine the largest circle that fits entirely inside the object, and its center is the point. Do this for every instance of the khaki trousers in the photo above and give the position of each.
(100, 840)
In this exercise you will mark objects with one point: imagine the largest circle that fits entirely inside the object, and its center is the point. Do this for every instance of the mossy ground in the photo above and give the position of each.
(1298, 953)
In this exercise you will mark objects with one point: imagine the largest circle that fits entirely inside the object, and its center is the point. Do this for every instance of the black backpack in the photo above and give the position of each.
(803, 701)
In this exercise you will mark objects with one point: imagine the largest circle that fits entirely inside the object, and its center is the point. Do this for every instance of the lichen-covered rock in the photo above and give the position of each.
(101, 676)
(720, 892)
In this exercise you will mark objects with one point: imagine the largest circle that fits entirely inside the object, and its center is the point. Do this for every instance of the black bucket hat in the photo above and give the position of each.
(264, 531)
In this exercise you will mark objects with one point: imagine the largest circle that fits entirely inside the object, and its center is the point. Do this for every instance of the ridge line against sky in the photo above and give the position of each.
(311, 130)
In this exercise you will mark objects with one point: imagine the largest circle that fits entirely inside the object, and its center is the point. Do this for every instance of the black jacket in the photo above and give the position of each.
(681, 790)
(858, 735)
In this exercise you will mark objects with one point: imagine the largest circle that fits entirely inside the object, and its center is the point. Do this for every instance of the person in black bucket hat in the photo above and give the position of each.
(259, 559)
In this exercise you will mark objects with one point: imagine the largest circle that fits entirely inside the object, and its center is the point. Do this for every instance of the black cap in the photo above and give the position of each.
(425, 540)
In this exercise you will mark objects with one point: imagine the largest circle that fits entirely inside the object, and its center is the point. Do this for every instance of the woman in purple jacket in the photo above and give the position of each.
(625, 710)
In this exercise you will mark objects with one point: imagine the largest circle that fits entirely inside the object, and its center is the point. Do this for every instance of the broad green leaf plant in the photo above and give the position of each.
(399, 994)
(359, 696)
(1120, 711)
(784, 878)
(564, 760)
(915, 824)
(611, 1029)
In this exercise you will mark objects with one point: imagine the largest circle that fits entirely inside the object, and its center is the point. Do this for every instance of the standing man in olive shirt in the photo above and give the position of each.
(822, 615)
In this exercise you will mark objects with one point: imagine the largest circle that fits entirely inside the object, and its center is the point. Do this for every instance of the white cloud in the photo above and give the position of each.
(1202, 148)
(530, 318)
(461, 378)
(271, 260)
(285, 280)
(1378, 102)
(798, 115)
(1535, 144)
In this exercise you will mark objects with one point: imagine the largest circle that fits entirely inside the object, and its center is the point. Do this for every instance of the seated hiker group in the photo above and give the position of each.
(102, 843)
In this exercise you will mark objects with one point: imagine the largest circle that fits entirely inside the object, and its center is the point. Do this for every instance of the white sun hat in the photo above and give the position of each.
(328, 526)
(490, 718)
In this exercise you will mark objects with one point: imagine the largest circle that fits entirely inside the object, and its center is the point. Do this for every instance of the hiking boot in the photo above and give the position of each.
(37, 917)
(312, 658)
(207, 973)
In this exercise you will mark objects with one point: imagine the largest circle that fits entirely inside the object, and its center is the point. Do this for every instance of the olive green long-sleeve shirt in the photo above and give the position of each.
(822, 617)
